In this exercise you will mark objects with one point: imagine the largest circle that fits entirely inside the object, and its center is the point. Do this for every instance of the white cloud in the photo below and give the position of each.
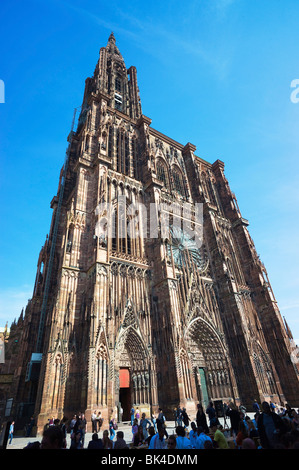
(290, 306)
(147, 32)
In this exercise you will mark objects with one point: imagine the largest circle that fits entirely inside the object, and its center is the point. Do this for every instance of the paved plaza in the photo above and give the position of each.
(19, 442)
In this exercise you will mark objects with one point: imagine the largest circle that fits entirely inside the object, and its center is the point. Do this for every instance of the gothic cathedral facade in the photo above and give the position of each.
(141, 317)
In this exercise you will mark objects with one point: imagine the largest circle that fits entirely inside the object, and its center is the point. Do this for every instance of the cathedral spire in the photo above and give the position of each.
(116, 81)
(111, 38)
(113, 51)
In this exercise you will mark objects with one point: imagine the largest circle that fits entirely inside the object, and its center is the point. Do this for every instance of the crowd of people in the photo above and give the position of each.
(272, 427)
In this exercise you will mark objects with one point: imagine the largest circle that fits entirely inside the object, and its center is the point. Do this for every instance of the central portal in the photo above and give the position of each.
(125, 393)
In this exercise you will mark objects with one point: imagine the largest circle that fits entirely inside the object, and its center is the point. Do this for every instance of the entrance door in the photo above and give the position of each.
(203, 384)
(125, 393)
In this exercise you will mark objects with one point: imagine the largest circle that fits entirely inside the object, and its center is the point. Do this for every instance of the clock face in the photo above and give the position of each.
(184, 249)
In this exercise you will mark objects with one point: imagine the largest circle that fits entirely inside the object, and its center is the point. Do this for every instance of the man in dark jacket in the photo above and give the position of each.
(234, 416)
(256, 407)
(270, 427)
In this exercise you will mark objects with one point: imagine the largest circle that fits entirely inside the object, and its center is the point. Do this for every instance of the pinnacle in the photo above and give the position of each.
(111, 38)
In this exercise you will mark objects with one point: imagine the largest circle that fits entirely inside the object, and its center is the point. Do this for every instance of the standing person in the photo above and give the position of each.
(76, 435)
(137, 414)
(72, 423)
(112, 428)
(185, 418)
(99, 420)
(63, 428)
(234, 416)
(132, 416)
(269, 425)
(161, 422)
(175, 417)
(11, 431)
(211, 412)
(144, 422)
(134, 428)
(120, 413)
(94, 423)
(201, 419)
(179, 418)
(256, 407)
(160, 419)
(83, 429)
(30, 426)
(154, 421)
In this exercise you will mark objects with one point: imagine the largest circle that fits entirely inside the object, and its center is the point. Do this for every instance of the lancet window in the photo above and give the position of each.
(123, 153)
(185, 374)
(178, 181)
(162, 173)
(101, 375)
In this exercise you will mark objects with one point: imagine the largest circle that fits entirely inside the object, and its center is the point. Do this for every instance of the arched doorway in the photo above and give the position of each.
(209, 363)
(132, 366)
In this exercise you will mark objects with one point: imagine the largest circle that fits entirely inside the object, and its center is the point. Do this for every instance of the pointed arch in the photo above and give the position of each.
(208, 355)
(178, 180)
(208, 188)
(101, 369)
(101, 345)
(58, 365)
(131, 345)
(263, 370)
(185, 371)
(131, 339)
(162, 172)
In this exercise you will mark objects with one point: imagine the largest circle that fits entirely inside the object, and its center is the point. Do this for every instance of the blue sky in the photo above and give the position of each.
(216, 73)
